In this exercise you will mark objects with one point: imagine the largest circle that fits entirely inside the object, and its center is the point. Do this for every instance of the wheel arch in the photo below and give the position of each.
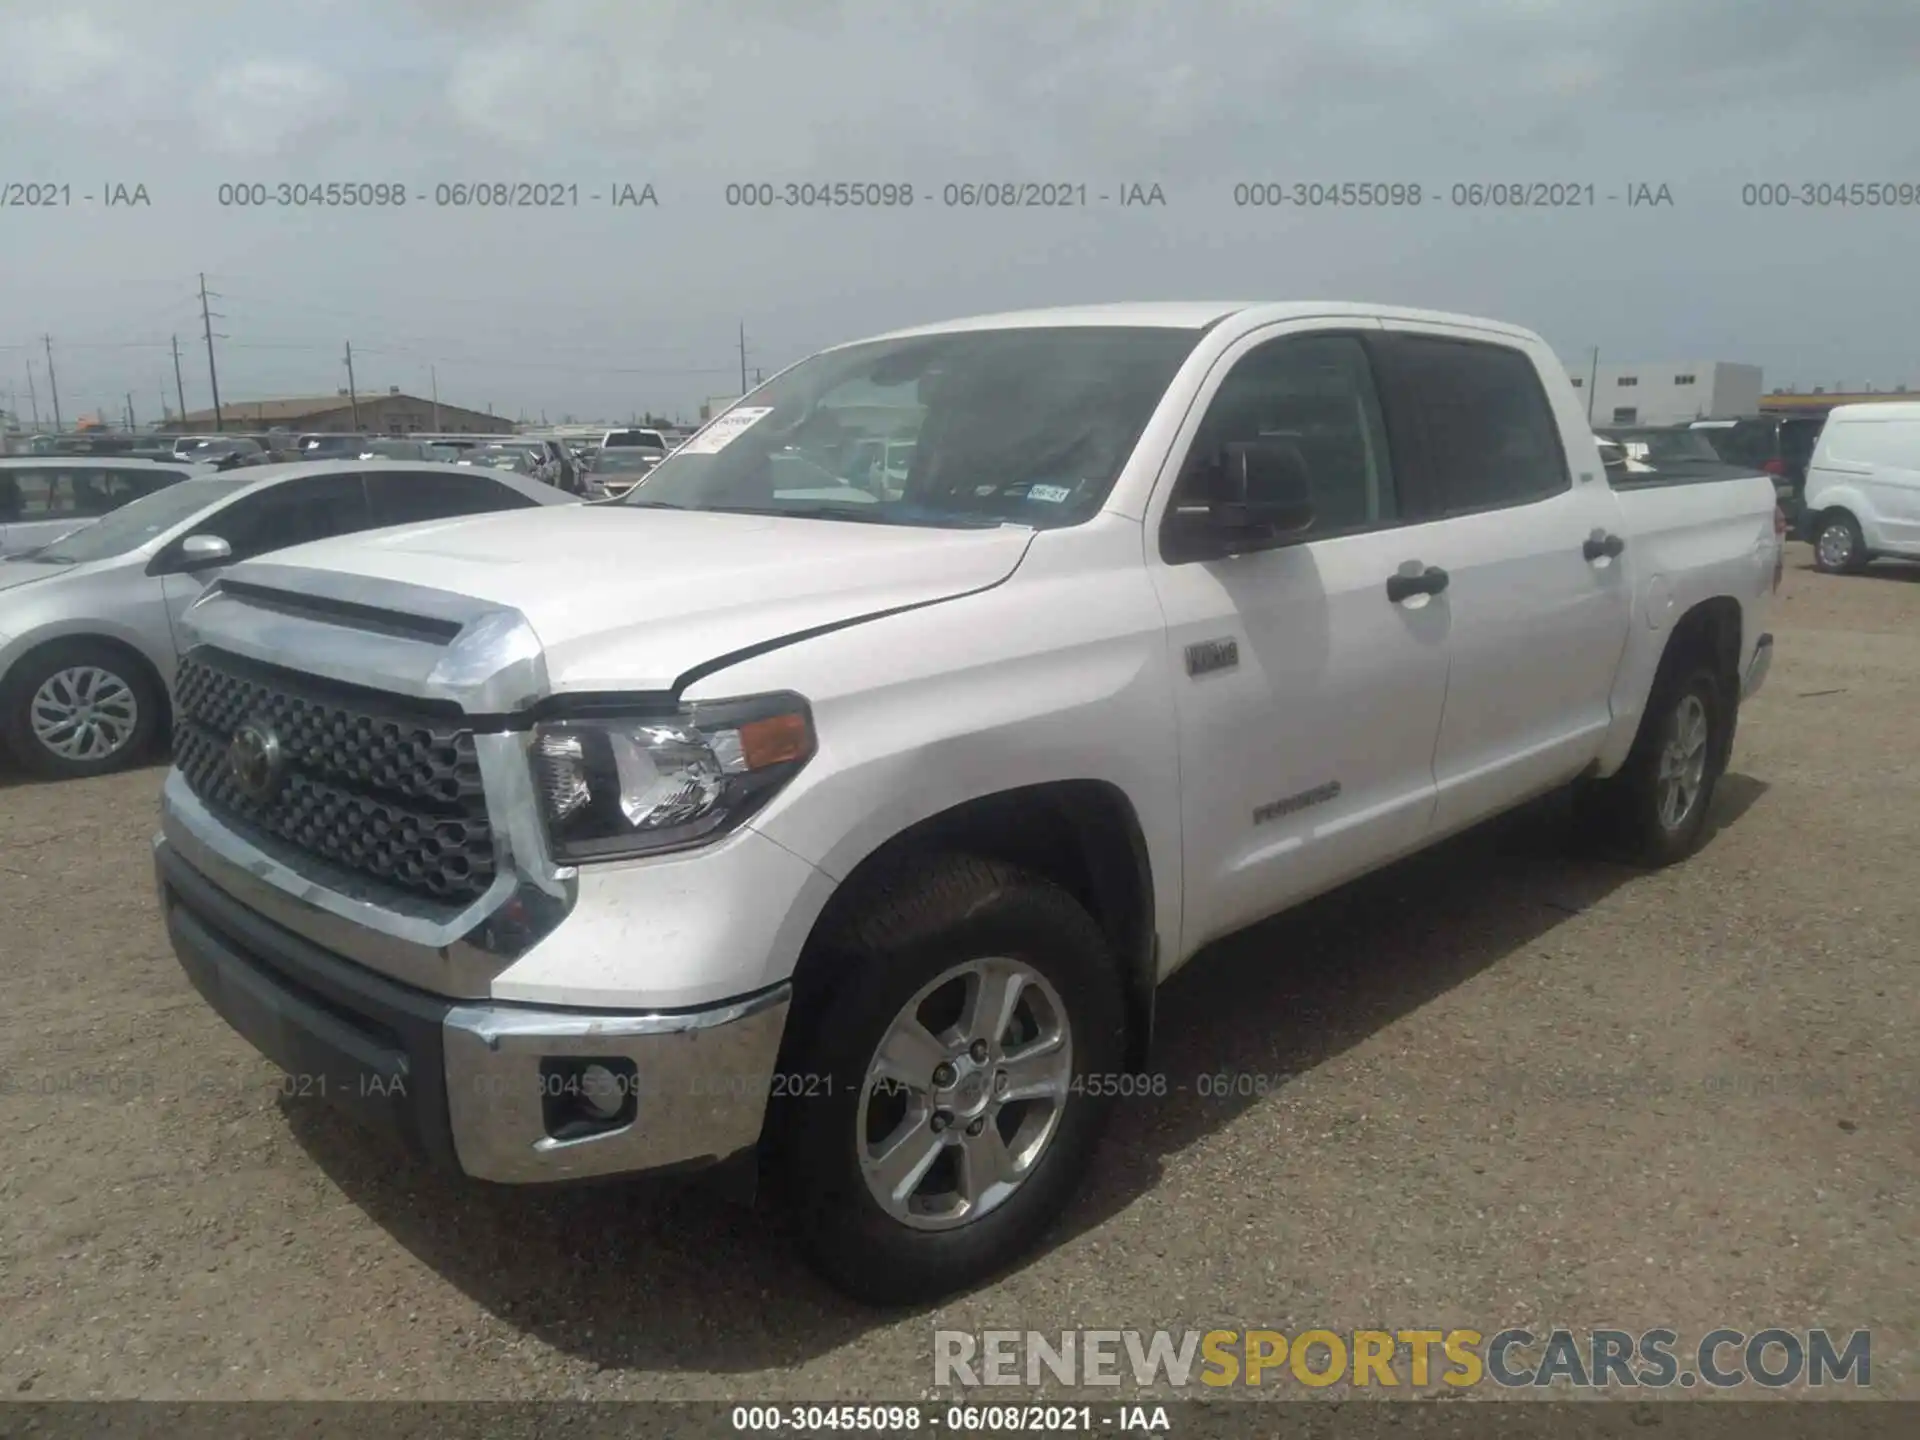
(1711, 632)
(1083, 835)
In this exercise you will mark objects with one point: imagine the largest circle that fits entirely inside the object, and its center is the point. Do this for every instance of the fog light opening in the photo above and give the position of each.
(583, 1096)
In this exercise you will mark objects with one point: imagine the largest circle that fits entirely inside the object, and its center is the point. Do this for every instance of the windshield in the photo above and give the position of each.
(135, 523)
(1029, 426)
(1668, 447)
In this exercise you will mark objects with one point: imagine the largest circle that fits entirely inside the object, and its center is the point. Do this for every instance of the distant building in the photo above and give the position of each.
(391, 413)
(1669, 392)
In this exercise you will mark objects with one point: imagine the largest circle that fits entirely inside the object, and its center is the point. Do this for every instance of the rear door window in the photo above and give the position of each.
(316, 508)
(1489, 430)
(100, 489)
(407, 497)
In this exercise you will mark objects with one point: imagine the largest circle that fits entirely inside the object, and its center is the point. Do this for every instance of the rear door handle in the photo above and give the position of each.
(1415, 579)
(1600, 543)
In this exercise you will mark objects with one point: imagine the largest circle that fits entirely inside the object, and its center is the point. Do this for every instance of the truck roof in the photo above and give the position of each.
(1196, 315)
(1886, 410)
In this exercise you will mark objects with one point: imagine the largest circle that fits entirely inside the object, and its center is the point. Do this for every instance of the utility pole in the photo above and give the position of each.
(1593, 379)
(213, 376)
(179, 390)
(132, 424)
(433, 375)
(353, 394)
(33, 397)
(743, 357)
(53, 383)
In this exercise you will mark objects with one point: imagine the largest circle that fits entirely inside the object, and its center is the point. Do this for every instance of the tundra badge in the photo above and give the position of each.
(1212, 655)
(1274, 809)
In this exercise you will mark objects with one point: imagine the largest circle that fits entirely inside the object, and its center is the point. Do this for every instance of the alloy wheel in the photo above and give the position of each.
(84, 713)
(1683, 762)
(964, 1093)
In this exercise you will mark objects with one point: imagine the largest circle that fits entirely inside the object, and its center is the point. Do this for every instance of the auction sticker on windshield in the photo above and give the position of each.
(724, 431)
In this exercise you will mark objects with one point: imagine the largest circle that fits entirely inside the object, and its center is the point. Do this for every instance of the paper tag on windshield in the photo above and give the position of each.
(724, 431)
(1052, 493)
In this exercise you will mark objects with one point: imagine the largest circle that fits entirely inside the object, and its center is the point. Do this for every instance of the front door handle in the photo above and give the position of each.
(1600, 543)
(1414, 579)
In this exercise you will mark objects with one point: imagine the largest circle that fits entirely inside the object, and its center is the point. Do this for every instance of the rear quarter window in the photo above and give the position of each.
(1891, 443)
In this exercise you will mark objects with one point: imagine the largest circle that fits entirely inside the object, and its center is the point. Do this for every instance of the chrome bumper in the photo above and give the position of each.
(1758, 666)
(486, 1088)
(694, 1086)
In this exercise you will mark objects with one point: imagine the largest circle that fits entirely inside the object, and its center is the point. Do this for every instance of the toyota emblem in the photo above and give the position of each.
(256, 760)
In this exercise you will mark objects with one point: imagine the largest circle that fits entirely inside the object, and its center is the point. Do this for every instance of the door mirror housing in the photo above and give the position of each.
(1255, 495)
(197, 552)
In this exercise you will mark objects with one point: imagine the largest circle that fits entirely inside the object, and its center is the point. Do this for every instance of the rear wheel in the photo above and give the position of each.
(938, 1113)
(79, 708)
(1838, 546)
(1656, 807)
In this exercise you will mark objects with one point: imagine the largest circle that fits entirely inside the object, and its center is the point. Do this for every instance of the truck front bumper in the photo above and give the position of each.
(498, 1091)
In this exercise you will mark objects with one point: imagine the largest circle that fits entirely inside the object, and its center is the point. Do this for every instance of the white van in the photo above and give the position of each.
(1863, 486)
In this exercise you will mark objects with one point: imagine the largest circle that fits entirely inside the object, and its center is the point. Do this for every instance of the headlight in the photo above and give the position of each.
(641, 784)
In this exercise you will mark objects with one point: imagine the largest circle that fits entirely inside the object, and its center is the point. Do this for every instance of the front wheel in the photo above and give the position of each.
(79, 708)
(946, 1099)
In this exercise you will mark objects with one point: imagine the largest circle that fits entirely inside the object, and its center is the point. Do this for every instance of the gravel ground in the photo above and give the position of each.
(1527, 1089)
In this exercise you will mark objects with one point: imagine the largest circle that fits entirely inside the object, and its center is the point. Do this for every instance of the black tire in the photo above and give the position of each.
(16, 709)
(908, 931)
(1847, 530)
(1625, 811)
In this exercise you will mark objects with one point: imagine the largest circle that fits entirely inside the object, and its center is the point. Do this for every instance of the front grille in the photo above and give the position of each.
(370, 784)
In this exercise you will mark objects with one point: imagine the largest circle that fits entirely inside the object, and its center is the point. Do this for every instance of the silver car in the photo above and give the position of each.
(87, 638)
(43, 499)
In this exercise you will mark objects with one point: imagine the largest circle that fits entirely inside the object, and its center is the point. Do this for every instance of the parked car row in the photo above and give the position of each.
(1848, 482)
(42, 499)
(88, 644)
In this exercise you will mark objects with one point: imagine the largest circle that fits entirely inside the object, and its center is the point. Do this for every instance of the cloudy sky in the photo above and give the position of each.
(596, 311)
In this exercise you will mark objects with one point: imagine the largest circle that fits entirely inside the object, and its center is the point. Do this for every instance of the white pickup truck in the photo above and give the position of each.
(761, 818)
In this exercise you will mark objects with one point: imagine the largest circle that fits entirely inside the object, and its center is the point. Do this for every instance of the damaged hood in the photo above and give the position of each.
(629, 599)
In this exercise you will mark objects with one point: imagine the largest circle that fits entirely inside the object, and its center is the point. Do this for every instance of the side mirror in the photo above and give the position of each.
(199, 551)
(1256, 495)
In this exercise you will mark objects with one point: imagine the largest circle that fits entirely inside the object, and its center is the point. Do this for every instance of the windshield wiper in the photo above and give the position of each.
(40, 557)
(646, 504)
